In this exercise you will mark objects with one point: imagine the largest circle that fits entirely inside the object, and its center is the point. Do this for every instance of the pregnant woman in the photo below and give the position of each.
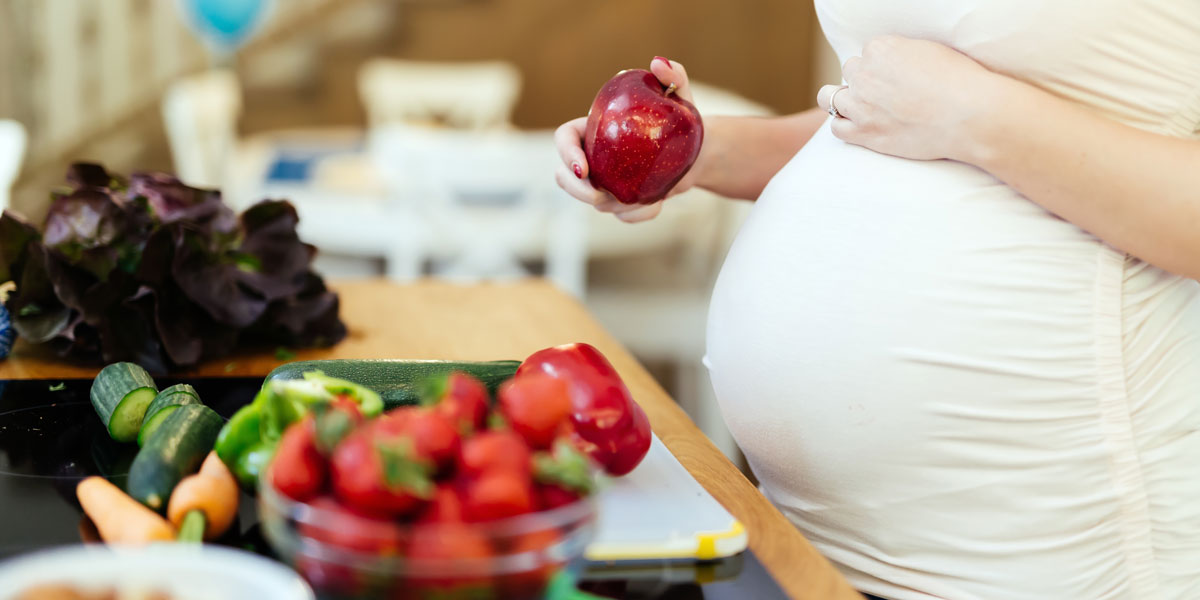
(958, 338)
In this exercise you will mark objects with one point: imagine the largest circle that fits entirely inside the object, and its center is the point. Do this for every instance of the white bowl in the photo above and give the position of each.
(184, 571)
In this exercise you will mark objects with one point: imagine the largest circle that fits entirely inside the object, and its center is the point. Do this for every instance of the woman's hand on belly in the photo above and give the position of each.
(1132, 188)
(911, 98)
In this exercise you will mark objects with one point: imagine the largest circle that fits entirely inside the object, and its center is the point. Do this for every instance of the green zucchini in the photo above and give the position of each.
(399, 381)
(174, 451)
(120, 395)
(164, 404)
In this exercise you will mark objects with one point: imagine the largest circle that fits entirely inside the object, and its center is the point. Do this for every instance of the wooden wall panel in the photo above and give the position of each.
(567, 48)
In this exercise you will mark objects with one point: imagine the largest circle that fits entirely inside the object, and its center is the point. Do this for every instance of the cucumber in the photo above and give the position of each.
(399, 381)
(120, 395)
(180, 393)
(175, 451)
(164, 404)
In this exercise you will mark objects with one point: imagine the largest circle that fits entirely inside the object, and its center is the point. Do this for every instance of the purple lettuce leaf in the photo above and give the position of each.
(309, 319)
(213, 282)
(273, 261)
(15, 236)
(37, 314)
(187, 333)
(127, 334)
(71, 284)
(85, 217)
(154, 271)
(91, 175)
(170, 200)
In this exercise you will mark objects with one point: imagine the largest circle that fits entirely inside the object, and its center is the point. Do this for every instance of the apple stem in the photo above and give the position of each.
(670, 89)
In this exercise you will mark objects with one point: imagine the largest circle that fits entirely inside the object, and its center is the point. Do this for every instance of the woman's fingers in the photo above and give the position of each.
(568, 138)
(638, 213)
(824, 94)
(571, 176)
(846, 101)
(629, 213)
(578, 188)
(668, 72)
(850, 69)
(848, 131)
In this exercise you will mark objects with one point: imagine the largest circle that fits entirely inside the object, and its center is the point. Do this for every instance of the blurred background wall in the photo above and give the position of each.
(85, 76)
(87, 80)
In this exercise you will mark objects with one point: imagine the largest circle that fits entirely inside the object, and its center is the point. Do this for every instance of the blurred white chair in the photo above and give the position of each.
(12, 151)
(483, 205)
(467, 95)
(200, 113)
(477, 198)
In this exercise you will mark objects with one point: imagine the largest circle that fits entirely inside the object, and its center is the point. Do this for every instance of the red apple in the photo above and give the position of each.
(640, 140)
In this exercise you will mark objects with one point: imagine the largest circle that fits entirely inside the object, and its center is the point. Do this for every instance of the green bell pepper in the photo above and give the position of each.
(248, 440)
(369, 402)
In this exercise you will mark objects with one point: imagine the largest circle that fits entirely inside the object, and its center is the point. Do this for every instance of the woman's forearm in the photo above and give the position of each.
(741, 154)
(1136, 190)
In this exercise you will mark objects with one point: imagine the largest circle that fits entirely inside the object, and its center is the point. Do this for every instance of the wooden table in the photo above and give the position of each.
(447, 321)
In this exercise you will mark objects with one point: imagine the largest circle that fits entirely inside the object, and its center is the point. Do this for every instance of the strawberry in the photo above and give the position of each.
(535, 405)
(491, 450)
(551, 496)
(335, 421)
(433, 434)
(298, 469)
(448, 546)
(460, 398)
(497, 494)
(380, 475)
(446, 506)
(342, 527)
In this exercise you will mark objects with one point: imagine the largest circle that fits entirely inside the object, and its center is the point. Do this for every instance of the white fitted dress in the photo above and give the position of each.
(952, 392)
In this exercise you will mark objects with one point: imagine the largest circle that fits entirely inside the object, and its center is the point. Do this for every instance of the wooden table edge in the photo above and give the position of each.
(794, 563)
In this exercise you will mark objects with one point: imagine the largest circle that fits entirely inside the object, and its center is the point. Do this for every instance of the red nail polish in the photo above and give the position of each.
(665, 61)
(578, 170)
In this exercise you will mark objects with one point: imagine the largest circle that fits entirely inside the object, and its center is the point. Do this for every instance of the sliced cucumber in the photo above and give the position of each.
(164, 404)
(120, 395)
(178, 394)
(152, 423)
(176, 450)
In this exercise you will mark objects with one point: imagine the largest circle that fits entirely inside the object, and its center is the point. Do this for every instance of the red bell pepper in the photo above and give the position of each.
(607, 424)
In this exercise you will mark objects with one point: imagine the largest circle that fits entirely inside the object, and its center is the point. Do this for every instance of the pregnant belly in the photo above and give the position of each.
(910, 312)
(924, 368)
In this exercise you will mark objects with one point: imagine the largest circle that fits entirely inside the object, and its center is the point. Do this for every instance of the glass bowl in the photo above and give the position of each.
(533, 556)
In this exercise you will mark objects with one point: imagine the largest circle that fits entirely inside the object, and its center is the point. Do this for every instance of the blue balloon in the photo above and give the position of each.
(225, 22)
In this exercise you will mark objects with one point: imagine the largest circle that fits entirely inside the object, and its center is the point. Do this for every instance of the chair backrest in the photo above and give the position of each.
(12, 150)
(469, 95)
(484, 202)
(200, 113)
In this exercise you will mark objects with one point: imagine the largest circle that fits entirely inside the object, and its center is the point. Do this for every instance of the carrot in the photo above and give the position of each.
(119, 518)
(213, 491)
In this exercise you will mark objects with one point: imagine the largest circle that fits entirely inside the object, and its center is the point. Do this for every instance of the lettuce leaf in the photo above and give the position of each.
(150, 270)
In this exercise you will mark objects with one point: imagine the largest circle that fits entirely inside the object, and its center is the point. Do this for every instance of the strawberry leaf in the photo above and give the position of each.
(564, 466)
(401, 472)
